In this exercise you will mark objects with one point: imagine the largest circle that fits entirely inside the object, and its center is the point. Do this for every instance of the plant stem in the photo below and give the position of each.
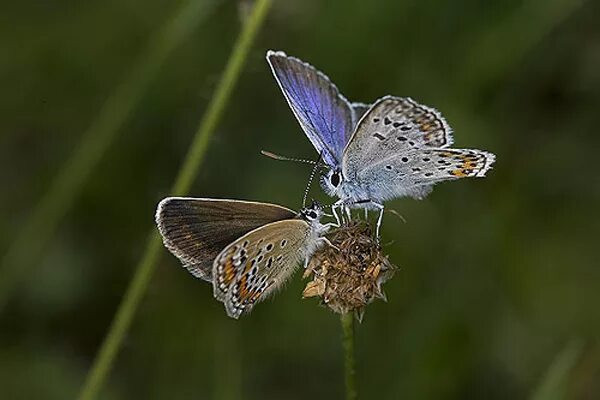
(555, 383)
(188, 171)
(347, 320)
(23, 253)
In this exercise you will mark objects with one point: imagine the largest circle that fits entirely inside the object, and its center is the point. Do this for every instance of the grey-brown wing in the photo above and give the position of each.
(195, 230)
(254, 266)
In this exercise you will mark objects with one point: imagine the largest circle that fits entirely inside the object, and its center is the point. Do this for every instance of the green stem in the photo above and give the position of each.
(556, 381)
(347, 320)
(147, 265)
(23, 253)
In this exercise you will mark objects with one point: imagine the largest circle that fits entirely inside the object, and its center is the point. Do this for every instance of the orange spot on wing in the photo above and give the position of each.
(254, 296)
(426, 127)
(228, 271)
(243, 287)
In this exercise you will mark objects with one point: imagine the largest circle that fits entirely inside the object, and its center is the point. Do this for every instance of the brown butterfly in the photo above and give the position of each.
(246, 249)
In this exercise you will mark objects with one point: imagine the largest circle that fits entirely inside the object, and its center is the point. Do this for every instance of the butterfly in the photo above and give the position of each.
(246, 249)
(393, 148)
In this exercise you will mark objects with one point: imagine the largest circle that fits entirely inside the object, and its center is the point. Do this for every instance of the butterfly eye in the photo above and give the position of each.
(335, 179)
(312, 215)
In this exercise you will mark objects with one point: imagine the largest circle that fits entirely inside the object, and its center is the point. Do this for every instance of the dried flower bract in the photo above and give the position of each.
(350, 275)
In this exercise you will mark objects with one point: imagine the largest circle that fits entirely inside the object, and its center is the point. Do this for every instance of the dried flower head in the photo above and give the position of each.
(350, 275)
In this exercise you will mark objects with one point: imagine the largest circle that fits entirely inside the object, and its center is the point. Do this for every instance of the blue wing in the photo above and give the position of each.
(326, 117)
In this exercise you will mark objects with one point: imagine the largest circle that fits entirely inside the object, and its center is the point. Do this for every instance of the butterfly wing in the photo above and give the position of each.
(254, 266)
(398, 149)
(195, 230)
(359, 109)
(326, 117)
(414, 172)
(393, 125)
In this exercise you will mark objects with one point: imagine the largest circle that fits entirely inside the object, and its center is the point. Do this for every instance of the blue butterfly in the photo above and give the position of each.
(393, 148)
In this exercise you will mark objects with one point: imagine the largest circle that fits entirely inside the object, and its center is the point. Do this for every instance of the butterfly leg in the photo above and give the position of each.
(347, 210)
(327, 242)
(330, 225)
(334, 208)
(365, 208)
(379, 219)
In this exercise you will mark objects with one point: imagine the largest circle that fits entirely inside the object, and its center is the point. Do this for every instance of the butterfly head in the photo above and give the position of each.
(332, 182)
(312, 213)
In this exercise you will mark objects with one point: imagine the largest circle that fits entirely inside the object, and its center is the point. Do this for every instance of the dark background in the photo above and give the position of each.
(498, 275)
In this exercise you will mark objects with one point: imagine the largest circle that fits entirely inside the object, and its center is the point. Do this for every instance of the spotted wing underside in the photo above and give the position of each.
(257, 264)
(394, 125)
(414, 172)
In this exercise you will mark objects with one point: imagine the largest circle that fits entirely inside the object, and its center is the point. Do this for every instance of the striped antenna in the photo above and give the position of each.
(310, 179)
(284, 158)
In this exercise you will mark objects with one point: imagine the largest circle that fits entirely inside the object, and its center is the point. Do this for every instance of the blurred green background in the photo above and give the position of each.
(497, 276)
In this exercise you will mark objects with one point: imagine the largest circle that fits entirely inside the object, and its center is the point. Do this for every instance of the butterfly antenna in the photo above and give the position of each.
(310, 179)
(284, 158)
